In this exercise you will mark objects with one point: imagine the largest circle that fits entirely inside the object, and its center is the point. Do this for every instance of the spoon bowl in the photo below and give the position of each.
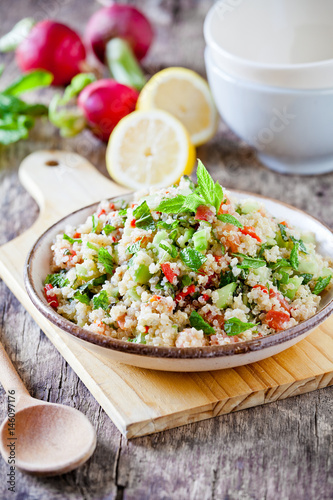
(44, 439)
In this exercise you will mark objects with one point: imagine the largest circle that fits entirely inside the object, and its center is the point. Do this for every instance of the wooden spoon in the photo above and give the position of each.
(45, 439)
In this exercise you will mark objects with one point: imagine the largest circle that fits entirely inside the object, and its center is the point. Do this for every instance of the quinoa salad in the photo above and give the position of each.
(185, 266)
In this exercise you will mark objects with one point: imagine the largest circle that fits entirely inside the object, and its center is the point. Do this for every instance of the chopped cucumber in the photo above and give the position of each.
(308, 238)
(184, 238)
(291, 292)
(250, 206)
(160, 236)
(81, 271)
(142, 274)
(326, 272)
(225, 293)
(263, 273)
(132, 294)
(114, 293)
(200, 240)
(308, 264)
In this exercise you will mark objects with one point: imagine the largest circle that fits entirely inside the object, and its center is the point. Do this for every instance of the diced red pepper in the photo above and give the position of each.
(218, 257)
(205, 297)
(251, 232)
(53, 301)
(276, 319)
(188, 290)
(111, 205)
(133, 223)
(101, 212)
(284, 223)
(203, 213)
(262, 287)
(146, 329)
(168, 272)
(76, 235)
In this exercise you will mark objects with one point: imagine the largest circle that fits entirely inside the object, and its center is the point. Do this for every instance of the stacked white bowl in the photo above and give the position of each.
(270, 68)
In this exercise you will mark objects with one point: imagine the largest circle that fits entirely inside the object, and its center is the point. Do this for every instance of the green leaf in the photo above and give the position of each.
(82, 297)
(192, 258)
(249, 262)
(165, 225)
(123, 212)
(171, 205)
(71, 240)
(92, 246)
(106, 260)
(264, 246)
(139, 339)
(227, 278)
(108, 229)
(94, 221)
(284, 278)
(11, 40)
(321, 284)
(192, 202)
(12, 105)
(199, 323)
(294, 256)
(69, 121)
(143, 217)
(306, 278)
(302, 246)
(101, 300)
(123, 64)
(235, 326)
(206, 184)
(283, 232)
(230, 219)
(279, 263)
(218, 196)
(57, 279)
(135, 247)
(93, 283)
(10, 135)
(29, 81)
(171, 249)
(186, 281)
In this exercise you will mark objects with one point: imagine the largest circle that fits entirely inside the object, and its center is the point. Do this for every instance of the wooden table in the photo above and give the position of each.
(279, 451)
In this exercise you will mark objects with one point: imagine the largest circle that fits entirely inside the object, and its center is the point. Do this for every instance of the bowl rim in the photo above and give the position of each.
(123, 346)
(262, 87)
(288, 68)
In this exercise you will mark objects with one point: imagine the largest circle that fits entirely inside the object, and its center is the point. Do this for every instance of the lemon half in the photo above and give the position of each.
(186, 95)
(149, 148)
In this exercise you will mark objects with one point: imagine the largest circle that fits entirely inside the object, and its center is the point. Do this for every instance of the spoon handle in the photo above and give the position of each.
(8, 375)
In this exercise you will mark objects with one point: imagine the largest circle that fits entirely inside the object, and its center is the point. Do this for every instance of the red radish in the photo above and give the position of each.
(119, 21)
(104, 103)
(54, 47)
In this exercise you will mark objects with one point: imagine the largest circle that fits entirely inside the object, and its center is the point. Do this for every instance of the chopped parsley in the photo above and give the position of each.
(171, 249)
(199, 323)
(94, 223)
(321, 284)
(235, 326)
(230, 219)
(101, 300)
(108, 229)
(143, 217)
(82, 297)
(57, 279)
(192, 258)
(227, 278)
(72, 240)
(106, 260)
(249, 262)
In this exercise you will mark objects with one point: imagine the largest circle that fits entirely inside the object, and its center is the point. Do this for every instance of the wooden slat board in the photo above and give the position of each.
(145, 401)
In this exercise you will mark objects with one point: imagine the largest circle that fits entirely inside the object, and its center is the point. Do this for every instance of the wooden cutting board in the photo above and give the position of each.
(142, 401)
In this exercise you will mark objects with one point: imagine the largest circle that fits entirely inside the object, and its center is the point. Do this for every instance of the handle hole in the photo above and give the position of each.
(52, 163)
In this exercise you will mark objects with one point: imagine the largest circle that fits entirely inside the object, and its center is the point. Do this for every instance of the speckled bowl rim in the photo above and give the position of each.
(167, 352)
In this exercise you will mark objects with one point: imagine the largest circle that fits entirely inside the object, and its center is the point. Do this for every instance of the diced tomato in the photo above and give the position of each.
(121, 321)
(251, 232)
(111, 205)
(205, 297)
(188, 290)
(146, 329)
(168, 272)
(53, 301)
(101, 212)
(218, 257)
(77, 235)
(276, 319)
(203, 213)
(262, 287)
(281, 299)
(155, 297)
(225, 206)
(133, 223)
(284, 223)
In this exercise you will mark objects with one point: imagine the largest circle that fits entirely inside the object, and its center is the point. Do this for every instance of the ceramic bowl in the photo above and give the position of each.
(291, 129)
(178, 359)
(284, 43)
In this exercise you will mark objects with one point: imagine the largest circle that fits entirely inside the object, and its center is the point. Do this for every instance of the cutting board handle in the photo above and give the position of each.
(63, 181)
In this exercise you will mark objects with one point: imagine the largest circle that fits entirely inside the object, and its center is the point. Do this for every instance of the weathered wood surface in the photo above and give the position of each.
(282, 450)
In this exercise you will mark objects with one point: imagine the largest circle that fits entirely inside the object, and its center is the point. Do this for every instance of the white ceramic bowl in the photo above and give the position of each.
(190, 359)
(291, 129)
(286, 43)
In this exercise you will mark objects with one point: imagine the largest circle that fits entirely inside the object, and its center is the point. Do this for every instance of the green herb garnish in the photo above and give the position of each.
(108, 229)
(235, 326)
(101, 300)
(283, 232)
(199, 323)
(294, 256)
(227, 278)
(94, 223)
(135, 247)
(82, 297)
(57, 279)
(143, 217)
(106, 260)
(306, 278)
(230, 219)
(249, 262)
(192, 258)
(321, 284)
(171, 249)
(92, 246)
(72, 240)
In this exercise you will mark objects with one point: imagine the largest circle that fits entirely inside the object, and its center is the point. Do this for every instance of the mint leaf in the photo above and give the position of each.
(321, 284)
(249, 262)
(283, 232)
(29, 81)
(206, 184)
(218, 196)
(123, 212)
(192, 202)
(71, 240)
(306, 278)
(192, 258)
(171, 249)
(94, 223)
(108, 229)
(279, 263)
(230, 219)
(199, 323)
(93, 283)
(165, 225)
(263, 247)
(57, 279)
(294, 257)
(101, 300)
(226, 278)
(92, 246)
(143, 217)
(235, 326)
(302, 246)
(171, 205)
(82, 297)
(135, 247)
(186, 281)
(106, 260)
